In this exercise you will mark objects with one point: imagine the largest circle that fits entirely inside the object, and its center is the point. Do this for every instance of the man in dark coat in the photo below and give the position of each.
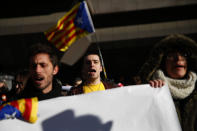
(43, 65)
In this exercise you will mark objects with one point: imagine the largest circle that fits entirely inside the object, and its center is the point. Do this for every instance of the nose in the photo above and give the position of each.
(37, 69)
(178, 57)
(91, 63)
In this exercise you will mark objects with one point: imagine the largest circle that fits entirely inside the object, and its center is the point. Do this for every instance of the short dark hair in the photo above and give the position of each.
(44, 48)
(92, 52)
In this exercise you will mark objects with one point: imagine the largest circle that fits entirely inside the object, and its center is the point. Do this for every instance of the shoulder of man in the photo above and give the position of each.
(76, 90)
(109, 84)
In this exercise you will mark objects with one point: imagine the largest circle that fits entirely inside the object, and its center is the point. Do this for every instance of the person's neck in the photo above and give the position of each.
(92, 82)
(47, 89)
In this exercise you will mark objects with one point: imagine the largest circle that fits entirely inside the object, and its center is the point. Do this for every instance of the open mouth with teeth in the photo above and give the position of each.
(180, 66)
(38, 79)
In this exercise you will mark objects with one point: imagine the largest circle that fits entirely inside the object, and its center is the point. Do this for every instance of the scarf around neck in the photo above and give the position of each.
(179, 88)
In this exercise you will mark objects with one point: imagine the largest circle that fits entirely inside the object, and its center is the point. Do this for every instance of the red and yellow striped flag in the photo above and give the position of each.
(22, 109)
(75, 24)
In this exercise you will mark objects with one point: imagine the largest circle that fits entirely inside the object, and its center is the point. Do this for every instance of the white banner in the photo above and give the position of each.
(130, 108)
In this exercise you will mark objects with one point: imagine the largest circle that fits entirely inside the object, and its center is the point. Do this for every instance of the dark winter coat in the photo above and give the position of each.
(31, 91)
(187, 111)
(187, 107)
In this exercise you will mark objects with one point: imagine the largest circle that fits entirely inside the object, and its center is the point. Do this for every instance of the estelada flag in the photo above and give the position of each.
(25, 109)
(75, 24)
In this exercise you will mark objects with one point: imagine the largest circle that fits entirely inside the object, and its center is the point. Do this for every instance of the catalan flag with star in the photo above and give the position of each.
(24, 109)
(74, 25)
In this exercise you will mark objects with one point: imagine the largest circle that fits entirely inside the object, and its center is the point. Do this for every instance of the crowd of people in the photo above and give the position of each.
(172, 61)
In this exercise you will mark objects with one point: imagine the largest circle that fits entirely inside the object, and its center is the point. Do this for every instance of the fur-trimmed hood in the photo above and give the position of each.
(171, 42)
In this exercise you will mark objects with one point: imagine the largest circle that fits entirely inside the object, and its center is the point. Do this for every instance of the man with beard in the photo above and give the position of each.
(43, 65)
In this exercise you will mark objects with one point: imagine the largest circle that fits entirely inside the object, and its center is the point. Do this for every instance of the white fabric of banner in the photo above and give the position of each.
(129, 108)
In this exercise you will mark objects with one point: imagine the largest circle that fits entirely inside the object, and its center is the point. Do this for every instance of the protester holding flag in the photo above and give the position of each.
(173, 60)
(91, 70)
(43, 65)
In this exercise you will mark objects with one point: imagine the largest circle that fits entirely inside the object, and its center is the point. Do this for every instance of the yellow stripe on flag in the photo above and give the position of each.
(33, 116)
(61, 33)
(54, 31)
(62, 24)
(81, 33)
(68, 13)
(67, 40)
(64, 48)
(63, 21)
(50, 30)
(27, 107)
(21, 105)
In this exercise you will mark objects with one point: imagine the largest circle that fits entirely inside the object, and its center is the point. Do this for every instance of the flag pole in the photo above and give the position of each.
(100, 54)
(102, 62)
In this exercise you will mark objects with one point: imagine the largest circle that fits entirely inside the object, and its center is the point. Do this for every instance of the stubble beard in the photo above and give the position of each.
(47, 85)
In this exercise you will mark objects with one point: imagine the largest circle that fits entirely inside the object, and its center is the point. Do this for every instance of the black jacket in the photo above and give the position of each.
(31, 91)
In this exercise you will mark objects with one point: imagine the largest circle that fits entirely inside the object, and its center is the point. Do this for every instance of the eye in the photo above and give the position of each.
(33, 66)
(43, 65)
(96, 61)
(184, 54)
(87, 62)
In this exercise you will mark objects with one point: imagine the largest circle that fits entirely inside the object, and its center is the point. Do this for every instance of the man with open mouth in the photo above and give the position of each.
(43, 65)
(91, 70)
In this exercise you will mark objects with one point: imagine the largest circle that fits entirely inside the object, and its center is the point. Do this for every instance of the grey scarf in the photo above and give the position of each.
(179, 89)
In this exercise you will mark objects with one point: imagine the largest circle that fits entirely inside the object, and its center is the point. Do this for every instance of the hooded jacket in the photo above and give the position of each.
(174, 41)
(187, 106)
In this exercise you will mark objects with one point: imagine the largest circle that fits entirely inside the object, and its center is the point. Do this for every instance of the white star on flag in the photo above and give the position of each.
(12, 116)
(80, 20)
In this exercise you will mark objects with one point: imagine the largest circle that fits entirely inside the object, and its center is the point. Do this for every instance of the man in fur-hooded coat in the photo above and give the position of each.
(183, 91)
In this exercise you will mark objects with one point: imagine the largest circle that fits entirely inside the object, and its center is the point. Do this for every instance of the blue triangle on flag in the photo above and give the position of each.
(82, 19)
(8, 112)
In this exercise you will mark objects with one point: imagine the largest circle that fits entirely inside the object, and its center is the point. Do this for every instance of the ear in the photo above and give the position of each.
(55, 70)
(101, 68)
